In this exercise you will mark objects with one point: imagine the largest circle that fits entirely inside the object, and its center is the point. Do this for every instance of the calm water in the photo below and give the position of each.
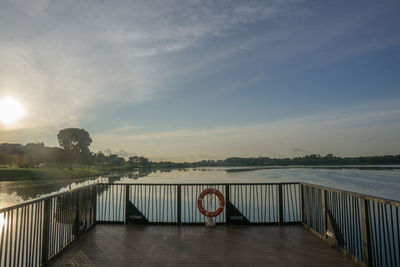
(382, 183)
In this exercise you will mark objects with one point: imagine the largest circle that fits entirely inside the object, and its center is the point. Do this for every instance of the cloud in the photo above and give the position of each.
(335, 132)
(62, 58)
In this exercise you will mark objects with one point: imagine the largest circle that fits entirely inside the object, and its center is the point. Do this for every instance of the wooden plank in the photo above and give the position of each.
(129, 245)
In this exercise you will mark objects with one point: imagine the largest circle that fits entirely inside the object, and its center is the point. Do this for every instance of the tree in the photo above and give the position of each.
(74, 141)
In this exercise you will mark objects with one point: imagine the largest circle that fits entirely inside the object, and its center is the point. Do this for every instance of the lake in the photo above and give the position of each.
(377, 181)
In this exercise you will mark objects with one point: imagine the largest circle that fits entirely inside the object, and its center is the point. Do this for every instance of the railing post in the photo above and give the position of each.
(324, 216)
(78, 215)
(227, 213)
(126, 203)
(46, 232)
(280, 202)
(179, 205)
(301, 204)
(366, 232)
(95, 204)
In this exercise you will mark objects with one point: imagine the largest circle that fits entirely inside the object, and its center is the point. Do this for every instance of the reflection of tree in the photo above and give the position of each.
(66, 208)
(67, 204)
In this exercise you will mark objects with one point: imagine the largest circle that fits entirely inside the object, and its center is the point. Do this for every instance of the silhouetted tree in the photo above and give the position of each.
(74, 141)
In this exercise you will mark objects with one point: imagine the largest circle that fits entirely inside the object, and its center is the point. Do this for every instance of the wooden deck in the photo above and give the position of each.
(120, 245)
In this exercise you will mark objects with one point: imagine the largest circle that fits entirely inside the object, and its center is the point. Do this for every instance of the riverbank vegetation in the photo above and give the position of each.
(74, 159)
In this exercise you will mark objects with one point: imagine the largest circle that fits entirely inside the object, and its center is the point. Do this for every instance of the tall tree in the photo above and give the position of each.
(74, 141)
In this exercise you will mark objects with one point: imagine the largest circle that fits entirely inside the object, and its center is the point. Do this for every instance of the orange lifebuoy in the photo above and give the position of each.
(220, 198)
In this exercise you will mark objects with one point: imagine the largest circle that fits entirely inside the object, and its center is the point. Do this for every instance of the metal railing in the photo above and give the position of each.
(365, 227)
(33, 232)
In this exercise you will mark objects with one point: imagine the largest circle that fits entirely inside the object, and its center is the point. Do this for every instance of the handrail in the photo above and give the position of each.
(354, 194)
(198, 184)
(39, 199)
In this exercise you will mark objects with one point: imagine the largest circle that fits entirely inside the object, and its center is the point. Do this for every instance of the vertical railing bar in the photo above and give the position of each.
(365, 213)
(15, 237)
(245, 203)
(312, 211)
(290, 192)
(2, 238)
(160, 197)
(19, 238)
(324, 224)
(384, 233)
(357, 228)
(264, 187)
(341, 216)
(57, 219)
(178, 194)
(71, 214)
(158, 190)
(143, 199)
(393, 239)
(253, 195)
(8, 230)
(147, 201)
(115, 206)
(292, 197)
(35, 223)
(241, 199)
(398, 232)
(193, 206)
(46, 228)
(184, 189)
(163, 203)
(227, 213)
(347, 223)
(39, 245)
(153, 206)
(258, 204)
(377, 255)
(25, 236)
(103, 202)
(380, 233)
(187, 204)
(63, 220)
(126, 203)
(360, 228)
(109, 195)
(353, 224)
(280, 204)
(388, 237)
(271, 200)
(171, 202)
(30, 235)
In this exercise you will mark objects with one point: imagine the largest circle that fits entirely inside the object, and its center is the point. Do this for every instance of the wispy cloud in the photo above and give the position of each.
(335, 132)
(65, 57)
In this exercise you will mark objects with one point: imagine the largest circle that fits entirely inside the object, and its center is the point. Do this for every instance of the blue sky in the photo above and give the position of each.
(190, 80)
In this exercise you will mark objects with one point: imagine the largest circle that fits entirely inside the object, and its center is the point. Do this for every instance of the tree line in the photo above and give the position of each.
(74, 149)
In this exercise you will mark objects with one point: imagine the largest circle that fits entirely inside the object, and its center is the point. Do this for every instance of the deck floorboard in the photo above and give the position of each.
(132, 245)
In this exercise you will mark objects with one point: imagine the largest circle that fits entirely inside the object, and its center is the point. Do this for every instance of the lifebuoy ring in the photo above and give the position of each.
(220, 198)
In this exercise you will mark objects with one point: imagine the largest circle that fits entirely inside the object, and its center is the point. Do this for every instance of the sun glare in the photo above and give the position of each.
(10, 110)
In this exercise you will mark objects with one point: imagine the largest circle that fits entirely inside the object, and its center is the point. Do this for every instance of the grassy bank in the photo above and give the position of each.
(18, 174)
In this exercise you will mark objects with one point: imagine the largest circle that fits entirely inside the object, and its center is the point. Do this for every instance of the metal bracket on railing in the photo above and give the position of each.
(134, 216)
(235, 216)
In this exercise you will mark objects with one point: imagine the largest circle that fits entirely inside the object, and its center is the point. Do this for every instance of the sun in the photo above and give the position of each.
(10, 110)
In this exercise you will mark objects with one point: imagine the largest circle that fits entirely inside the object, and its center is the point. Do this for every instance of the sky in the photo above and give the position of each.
(198, 79)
